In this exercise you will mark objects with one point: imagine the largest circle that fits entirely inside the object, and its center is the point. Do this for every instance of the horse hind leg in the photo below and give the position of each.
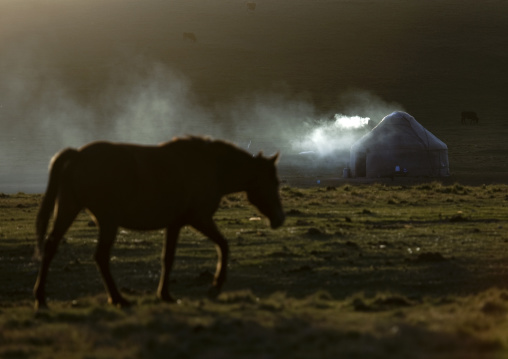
(107, 235)
(66, 213)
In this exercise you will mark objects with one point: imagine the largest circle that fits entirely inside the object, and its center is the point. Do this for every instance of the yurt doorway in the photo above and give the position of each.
(361, 164)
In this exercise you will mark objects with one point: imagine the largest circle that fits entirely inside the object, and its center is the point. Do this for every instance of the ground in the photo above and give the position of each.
(357, 270)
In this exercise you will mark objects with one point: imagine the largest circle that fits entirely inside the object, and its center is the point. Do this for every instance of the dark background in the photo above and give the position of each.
(432, 59)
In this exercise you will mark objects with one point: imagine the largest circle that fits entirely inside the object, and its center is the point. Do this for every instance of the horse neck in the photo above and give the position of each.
(236, 174)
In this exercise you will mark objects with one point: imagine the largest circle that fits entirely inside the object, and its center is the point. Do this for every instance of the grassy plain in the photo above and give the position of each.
(357, 271)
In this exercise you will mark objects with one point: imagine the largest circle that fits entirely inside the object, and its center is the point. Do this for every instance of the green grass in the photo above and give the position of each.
(356, 271)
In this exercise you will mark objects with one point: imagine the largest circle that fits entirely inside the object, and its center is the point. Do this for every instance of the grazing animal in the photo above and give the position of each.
(190, 36)
(169, 186)
(251, 6)
(469, 115)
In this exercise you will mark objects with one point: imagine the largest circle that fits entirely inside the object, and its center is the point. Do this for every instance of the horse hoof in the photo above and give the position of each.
(40, 307)
(213, 292)
(120, 303)
(170, 299)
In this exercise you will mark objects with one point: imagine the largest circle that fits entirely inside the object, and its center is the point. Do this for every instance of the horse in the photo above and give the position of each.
(139, 187)
(469, 115)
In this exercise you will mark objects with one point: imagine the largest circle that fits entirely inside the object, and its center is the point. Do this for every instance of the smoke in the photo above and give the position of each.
(366, 104)
(347, 122)
(149, 103)
(327, 137)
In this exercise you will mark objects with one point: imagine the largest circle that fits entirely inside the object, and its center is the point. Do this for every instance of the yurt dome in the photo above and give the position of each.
(399, 146)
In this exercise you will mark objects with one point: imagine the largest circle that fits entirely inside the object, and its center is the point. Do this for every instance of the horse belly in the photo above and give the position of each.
(147, 218)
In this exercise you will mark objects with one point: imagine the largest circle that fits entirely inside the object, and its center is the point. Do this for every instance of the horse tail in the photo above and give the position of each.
(58, 163)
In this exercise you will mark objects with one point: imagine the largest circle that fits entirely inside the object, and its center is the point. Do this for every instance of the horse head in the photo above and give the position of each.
(264, 190)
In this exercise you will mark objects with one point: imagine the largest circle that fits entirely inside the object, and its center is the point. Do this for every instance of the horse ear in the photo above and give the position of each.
(275, 158)
(260, 154)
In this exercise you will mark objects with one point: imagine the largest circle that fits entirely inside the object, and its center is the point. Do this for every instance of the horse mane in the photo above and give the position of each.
(220, 147)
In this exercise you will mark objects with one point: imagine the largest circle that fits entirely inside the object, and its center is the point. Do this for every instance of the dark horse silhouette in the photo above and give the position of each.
(177, 183)
(469, 115)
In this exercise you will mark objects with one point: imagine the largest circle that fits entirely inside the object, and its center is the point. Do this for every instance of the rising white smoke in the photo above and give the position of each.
(150, 103)
(349, 122)
(327, 137)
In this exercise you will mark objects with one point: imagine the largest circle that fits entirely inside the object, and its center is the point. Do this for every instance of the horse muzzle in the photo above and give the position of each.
(278, 220)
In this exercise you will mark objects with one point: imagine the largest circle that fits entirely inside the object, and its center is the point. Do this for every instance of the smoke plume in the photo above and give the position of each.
(149, 103)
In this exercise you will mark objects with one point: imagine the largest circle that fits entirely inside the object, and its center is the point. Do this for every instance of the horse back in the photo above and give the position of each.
(145, 185)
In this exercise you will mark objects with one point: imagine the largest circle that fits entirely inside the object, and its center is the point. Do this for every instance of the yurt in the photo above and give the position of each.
(399, 146)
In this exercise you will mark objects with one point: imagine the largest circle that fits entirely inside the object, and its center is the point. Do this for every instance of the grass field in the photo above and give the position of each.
(357, 271)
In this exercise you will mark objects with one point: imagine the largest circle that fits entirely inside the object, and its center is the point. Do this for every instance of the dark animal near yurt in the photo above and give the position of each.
(469, 115)
(189, 36)
(169, 186)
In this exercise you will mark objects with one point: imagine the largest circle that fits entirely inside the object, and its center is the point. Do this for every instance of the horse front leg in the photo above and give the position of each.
(168, 257)
(209, 229)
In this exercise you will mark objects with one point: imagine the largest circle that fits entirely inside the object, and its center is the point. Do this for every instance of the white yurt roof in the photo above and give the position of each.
(399, 130)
